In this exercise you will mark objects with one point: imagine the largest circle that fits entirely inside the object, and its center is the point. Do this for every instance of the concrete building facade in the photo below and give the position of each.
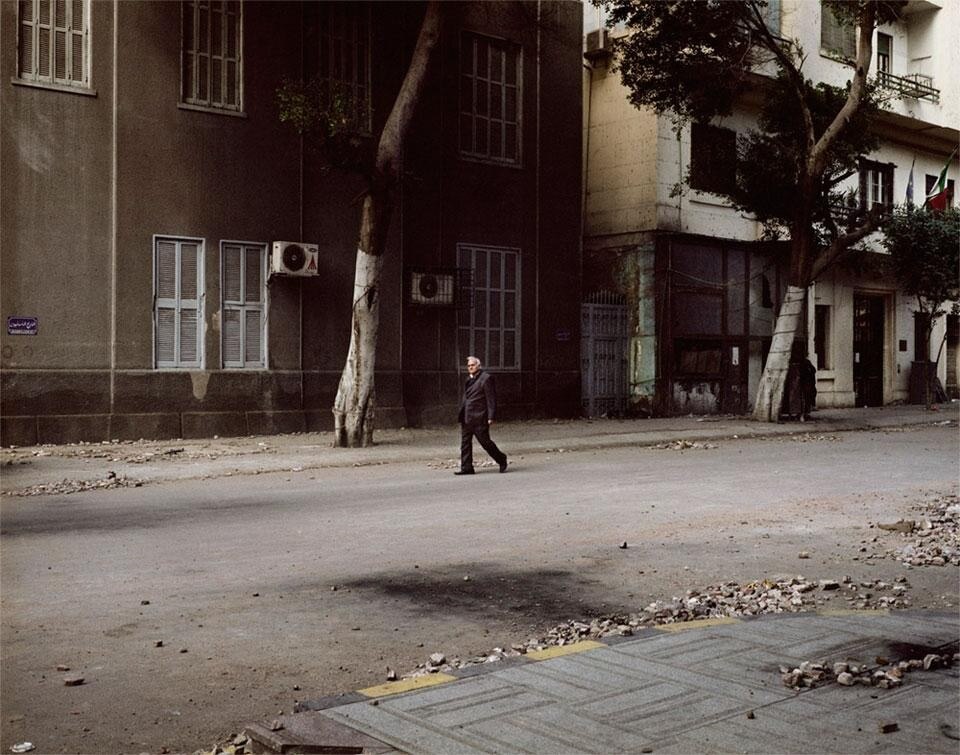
(702, 288)
(146, 176)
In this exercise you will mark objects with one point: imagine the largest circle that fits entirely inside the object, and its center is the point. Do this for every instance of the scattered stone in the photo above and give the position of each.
(73, 681)
(803, 554)
(846, 679)
(62, 667)
(183, 650)
(158, 643)
(901, 525)
(623, 545)
(22, 747)
(829, 584)
(438, 659)
(391, 675)
(144, 602)
(684, 445)
(751, 715)
(276, 725)
(887, 728)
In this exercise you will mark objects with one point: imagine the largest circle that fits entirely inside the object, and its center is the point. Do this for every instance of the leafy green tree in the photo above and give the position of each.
(695, 59)
(924, 247)
(331, 119)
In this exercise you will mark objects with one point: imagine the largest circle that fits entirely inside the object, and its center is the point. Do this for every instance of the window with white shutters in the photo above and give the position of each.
(211, 60)
(490, 330)
(178, 302)
(243, 271)
(53, 42)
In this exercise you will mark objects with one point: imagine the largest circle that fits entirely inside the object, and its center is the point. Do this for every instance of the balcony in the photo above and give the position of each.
(915, 85)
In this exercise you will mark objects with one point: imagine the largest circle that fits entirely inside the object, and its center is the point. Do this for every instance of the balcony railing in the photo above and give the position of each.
(912, 85)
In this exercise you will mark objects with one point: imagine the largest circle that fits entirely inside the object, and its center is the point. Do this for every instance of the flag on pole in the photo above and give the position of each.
(939, 196)
(909, 197)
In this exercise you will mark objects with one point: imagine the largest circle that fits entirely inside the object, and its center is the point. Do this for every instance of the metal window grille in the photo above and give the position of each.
(490, 99)
(212, 63)
(243, 286)
(338, 58)
(53, 41)
(490, 330)
(178, 302)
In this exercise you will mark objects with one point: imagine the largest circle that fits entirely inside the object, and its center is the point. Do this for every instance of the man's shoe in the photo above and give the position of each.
(463, 471)
(503, 465)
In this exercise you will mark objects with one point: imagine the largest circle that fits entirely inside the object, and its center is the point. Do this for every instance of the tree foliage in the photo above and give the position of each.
(924, 247)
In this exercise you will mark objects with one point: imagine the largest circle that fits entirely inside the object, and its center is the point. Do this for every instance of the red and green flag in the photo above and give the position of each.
(939, 196)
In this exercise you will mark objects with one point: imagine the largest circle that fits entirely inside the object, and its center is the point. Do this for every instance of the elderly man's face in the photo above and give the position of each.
(472, 366)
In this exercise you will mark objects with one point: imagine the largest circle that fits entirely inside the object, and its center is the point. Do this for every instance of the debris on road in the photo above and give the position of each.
(931, 540)
(22, 747)
(73, 681)
(64, 487)
(887, 728)
(885, 675)
(684, 445)
(730, 599)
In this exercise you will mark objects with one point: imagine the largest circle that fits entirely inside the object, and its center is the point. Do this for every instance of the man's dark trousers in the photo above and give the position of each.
(482, 434)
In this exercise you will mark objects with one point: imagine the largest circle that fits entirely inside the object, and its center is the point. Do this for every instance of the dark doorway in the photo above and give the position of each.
(953, 342)
(868, 316)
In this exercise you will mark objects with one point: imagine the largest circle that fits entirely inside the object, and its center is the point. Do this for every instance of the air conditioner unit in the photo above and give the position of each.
(596, 44)
(432, 289)
(294, 258)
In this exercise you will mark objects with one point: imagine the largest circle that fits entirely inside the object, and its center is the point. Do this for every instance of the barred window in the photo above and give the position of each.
(54, 41)
(491, 329)
(490, 99)
(178, 302)
(211, 56)
(337, 52)
(243, 271)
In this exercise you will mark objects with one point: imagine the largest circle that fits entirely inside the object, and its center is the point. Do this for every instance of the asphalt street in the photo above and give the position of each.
(272, 588)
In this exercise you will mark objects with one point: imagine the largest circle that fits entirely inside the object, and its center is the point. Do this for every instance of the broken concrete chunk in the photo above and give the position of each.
(73, 681)
(887, 728)
(438, 659)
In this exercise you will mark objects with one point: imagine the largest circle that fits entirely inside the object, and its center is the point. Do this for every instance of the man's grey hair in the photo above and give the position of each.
(474, 359)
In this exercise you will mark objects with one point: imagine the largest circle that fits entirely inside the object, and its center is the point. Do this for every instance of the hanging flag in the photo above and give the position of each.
(939, 196)
(910, 182)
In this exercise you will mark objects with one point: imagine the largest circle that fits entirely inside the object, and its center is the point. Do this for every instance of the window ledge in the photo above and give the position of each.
(84, 91)
(698, 196)
(212, 110)
(836, 57)
(492, 161)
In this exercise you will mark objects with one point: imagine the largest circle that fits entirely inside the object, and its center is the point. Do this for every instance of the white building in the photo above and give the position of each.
(701, 289)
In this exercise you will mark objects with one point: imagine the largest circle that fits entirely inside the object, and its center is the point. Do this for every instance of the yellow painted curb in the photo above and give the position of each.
(556, 652)
(405, 685)
(852, 611)
(683, 626)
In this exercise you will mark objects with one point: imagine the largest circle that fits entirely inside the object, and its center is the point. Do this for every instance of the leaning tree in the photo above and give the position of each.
(330, 118)
(695, 59)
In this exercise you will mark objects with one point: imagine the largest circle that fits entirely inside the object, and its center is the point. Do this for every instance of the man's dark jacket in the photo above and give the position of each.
(479, 403)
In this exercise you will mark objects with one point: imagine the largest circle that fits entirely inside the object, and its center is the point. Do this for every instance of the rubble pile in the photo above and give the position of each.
(884, 674)
(730, 599)
(238, 745)
(684, 445)
(112, 480)
(932, 539)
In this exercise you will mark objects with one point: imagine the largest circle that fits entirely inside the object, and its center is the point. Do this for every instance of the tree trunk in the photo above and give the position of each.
(353, 408)
(770, 396)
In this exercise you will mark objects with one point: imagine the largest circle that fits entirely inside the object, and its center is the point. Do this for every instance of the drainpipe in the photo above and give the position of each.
(536, 331)
(113, 211)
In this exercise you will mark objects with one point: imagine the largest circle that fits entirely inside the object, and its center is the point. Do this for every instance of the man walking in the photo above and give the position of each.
(477, 409)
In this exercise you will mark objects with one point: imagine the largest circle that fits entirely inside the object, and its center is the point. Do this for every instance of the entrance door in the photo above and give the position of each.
(868, 316)
(603, 355)
(734, 391)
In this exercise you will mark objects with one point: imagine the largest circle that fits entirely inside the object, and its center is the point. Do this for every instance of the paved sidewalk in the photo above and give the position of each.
(708, 686)
(160, 461)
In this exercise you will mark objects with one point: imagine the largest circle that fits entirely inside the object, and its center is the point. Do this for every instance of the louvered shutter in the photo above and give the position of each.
(243, 310)
(166, 297)
(27, 67)
(178, 297)
(189, 304)
(232, 261)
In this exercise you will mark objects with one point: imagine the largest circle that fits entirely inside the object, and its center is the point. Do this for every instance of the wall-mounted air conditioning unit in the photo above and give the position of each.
(440, 287)
(293, 258)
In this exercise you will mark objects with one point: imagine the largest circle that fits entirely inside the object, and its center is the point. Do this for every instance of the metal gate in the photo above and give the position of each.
(603, 355)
